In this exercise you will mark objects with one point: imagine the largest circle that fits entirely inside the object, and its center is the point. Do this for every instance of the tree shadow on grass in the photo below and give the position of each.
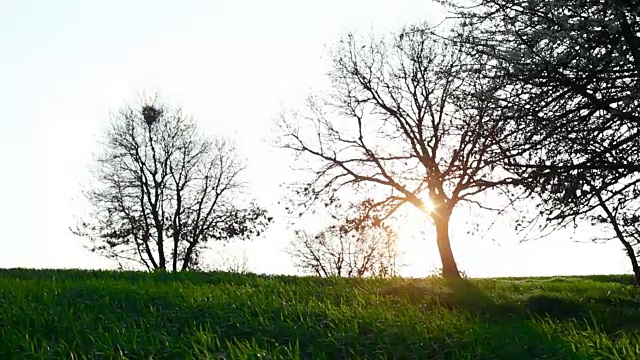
(463, 294)
(512, 329)
(466, 295)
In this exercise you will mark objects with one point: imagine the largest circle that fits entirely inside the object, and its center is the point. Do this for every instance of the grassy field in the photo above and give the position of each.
(108, 315)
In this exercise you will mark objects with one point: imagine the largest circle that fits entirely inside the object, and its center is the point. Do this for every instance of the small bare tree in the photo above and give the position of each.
(347, 249)
(162, 191)
(407, 120)
(233, 262)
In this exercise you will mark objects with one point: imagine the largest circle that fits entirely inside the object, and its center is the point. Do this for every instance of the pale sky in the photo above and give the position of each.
(234, 66)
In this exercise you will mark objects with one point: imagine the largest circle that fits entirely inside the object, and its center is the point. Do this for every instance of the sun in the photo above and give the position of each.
(428, 205)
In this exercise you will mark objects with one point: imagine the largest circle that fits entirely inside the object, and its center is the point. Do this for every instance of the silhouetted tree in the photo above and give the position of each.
(162, 191)
(407, 121)
(353, 247)
(573, 74)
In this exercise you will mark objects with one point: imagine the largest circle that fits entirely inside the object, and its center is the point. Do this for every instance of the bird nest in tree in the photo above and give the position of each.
(151, 114)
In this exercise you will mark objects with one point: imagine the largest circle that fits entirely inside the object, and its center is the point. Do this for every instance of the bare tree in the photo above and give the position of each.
(406, 122)
(573, 69)
(162, 191)
(233, 262)
(365, 248)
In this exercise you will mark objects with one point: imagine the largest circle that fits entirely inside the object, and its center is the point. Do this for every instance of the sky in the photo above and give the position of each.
(234, 66)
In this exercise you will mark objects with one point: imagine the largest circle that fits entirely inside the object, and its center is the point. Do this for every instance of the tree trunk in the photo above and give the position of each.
(449, 267)
(616, 228)
(162, 261)
(187, 256)
(174, 260)
(634, 261)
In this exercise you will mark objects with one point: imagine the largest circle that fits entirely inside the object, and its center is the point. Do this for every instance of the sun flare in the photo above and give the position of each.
(428, 206)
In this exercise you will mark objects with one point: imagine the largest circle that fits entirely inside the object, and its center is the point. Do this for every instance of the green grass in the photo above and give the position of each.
(46, 314)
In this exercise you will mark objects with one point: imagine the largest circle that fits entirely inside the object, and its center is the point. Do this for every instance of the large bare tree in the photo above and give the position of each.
(406, 122)
(162, 191)
(573, 74)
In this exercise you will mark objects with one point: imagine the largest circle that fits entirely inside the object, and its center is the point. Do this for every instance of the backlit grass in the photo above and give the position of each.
(107, 315)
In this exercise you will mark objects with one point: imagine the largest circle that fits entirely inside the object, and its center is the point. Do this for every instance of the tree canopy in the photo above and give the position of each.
(571, 71)
(408, 121)
(162, 191)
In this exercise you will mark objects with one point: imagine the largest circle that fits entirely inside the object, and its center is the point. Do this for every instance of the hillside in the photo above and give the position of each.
(64, 314)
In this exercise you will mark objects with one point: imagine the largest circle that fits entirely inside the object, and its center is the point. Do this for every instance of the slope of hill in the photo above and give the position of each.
(69, 314)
